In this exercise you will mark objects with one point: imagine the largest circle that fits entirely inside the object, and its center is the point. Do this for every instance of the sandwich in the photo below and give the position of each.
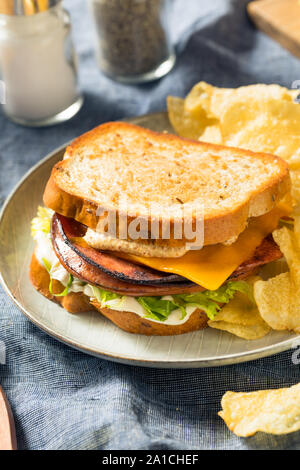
(154, 231)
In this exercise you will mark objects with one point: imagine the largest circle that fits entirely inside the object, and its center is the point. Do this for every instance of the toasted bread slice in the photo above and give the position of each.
(163, 175)
(148, 248)
(133, 323)
(127, 321)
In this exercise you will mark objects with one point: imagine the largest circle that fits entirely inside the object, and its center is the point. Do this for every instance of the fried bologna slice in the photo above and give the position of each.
(118, 159)
(127, 321)
(69, 232)
(85, 266)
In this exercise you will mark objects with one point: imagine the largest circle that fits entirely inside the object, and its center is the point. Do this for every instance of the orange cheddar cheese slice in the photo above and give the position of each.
(213, 264)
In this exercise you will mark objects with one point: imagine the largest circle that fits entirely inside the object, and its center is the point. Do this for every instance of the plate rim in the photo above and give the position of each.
(235, 358)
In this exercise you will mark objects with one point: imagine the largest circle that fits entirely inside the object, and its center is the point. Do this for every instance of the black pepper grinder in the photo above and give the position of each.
(133, 39)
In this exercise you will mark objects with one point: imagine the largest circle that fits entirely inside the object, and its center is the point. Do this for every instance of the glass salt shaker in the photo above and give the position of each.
(38, 66)
(133, 38)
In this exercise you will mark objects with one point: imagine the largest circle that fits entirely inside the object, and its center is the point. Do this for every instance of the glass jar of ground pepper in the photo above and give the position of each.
(133, 38)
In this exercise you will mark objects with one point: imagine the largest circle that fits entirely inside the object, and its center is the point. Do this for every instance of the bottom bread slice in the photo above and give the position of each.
(127, 321)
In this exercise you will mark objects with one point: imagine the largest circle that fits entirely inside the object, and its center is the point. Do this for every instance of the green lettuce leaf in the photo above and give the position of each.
(104, 296)
(209, 300)
(158, 308)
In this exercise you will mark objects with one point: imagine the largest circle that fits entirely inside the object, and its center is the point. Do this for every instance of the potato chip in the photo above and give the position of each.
(261, 91)
(208, 99)
(278, 299)
(241, 318)
(199, 98)
(273, 269)
(212, 134)
(264, 125)
(296, 223)
(181, 120)
(270, 411)
(274, 301)
(289, 245)
(214, 100)
(249, 332)
(295, 177)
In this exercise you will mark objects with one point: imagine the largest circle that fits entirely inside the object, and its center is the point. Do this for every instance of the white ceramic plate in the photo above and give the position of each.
(90, 332)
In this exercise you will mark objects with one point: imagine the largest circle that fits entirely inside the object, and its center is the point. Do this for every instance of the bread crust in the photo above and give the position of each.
(133, 323)
(127, 321)
(74, 302)
(218, 228)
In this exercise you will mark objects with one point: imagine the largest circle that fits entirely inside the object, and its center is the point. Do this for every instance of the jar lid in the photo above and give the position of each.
(25, 7)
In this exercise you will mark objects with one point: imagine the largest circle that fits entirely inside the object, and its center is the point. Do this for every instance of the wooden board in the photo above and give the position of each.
(7, 425)
(280, 19)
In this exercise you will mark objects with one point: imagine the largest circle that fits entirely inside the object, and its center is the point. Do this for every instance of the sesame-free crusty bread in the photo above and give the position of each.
(120, 161)
(148, 248)
(127, 321)
(135, 324)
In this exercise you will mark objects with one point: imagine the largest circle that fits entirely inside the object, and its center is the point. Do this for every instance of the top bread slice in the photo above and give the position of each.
(163, 175)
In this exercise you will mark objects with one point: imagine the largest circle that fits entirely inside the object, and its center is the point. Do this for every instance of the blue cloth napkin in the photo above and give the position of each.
(63, 399)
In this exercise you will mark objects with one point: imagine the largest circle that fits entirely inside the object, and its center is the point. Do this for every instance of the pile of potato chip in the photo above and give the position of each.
(261, 118)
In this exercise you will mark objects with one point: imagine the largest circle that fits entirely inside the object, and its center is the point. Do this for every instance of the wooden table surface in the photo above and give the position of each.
(7, 426)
